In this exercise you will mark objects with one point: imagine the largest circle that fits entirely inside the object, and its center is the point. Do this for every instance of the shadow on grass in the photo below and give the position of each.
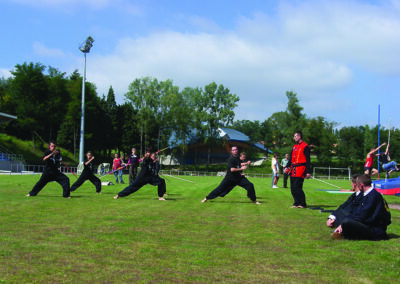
(393, 236)
(321, 206)
(231, 201)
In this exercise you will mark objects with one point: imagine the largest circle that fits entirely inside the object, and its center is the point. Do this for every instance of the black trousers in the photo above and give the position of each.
(87, 176)
(296, 188)
(227, 185)
(58, 177)
(132, 173)
(354, 230)
(139, 183)
(340, 214)
(285, 178)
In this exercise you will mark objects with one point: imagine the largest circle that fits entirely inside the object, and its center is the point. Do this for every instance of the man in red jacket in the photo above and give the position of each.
(299, 168)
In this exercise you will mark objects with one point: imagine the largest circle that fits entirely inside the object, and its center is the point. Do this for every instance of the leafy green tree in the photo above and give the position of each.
(216, 107)
(350, 148)
(145, 96)
(112, 122)
(127, 125)
(182, 117)
(69, 133)
(296, 119)
(321, 138)
(58, 99)
(285, 123)
(29, 93)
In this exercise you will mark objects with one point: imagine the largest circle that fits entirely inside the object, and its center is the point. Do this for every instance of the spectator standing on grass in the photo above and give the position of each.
(275, 170)
(51, 172)
(299, 168)
(284, 162)
(133, 162)
(117, 168)
(370, 219)
(145, 176)
(234, 177)
(87, 174)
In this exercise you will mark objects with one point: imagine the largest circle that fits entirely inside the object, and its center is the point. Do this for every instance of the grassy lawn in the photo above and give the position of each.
(93, 238)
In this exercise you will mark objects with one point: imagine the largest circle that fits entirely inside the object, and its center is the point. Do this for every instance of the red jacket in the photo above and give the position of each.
(300, 160)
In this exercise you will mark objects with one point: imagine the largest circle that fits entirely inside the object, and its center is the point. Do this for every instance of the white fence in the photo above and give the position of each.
(19, 169)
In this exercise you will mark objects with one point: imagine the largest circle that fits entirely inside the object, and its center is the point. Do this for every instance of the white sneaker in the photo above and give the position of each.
(274, 186)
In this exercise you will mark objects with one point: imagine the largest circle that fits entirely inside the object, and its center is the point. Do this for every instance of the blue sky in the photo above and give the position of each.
(341, 57)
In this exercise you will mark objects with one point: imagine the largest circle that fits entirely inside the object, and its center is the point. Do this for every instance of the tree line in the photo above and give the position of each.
(159, 114)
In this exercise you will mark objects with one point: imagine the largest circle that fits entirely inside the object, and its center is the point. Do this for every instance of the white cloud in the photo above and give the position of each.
(311, 48)
(4, 73)
(41, 50)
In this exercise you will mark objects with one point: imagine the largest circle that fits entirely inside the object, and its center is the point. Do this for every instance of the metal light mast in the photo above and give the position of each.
(85, 48)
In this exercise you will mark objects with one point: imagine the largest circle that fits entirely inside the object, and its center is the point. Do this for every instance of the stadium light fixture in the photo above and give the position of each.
(85, 48)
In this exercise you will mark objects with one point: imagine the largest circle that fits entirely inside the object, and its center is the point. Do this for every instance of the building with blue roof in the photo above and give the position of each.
(219, 153)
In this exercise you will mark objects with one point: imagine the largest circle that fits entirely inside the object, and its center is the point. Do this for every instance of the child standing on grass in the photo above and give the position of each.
(275, 170)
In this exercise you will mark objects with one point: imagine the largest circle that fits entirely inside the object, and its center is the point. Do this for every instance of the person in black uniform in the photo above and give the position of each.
(234, 177)
(348, 207)
(156, 165)
(51, 172)
(156, 168)
(87, 174)
(370, 219)
(145, 176)
(133, 162)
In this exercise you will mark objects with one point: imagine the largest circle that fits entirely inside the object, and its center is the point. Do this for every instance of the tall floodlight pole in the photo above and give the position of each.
(85, 48)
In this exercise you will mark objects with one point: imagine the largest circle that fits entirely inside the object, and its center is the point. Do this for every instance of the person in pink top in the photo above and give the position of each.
(117, 165)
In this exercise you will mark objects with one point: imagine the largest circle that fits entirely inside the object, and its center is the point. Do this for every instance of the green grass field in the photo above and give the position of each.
(93, 238)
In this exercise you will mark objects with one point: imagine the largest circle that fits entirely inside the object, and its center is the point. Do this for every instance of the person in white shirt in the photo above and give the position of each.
(275, 170)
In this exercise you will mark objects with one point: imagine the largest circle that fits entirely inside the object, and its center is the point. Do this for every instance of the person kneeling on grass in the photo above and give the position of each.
(87, 174)
(145, 176)
(347, 207)
(370, 219)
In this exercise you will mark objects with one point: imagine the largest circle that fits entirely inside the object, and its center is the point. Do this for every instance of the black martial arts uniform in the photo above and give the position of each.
(369, 220)
(51, 173)
(145, 176)
(133, 162)
(347, 208)
(87, 174)
(233, 179)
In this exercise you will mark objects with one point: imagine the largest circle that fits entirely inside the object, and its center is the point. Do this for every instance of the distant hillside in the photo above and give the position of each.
(33, 155)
